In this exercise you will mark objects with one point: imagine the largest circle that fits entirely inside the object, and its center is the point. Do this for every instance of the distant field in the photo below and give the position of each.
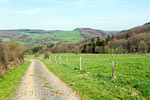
(65, 37)
(51, 38)
(95, 82)
(6, 40)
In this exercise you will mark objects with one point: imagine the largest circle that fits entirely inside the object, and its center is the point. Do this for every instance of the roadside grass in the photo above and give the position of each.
(94, 82)
(9, 82)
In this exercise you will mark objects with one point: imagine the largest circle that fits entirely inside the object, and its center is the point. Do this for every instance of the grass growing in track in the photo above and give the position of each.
(95, 82)
(9, 83)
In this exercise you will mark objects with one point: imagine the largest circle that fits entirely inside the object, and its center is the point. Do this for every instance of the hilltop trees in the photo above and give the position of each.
(147, 23)
(135, 43)
(135, 40)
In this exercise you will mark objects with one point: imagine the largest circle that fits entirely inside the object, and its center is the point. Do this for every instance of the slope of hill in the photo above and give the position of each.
(135, 40)
(47, 38)
(134, 31)
(41, 38)
(90, 33)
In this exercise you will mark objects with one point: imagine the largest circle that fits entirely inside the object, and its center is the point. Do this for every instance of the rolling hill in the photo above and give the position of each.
(47, 38)
(91, 33)
(135, 40)
(137, 31)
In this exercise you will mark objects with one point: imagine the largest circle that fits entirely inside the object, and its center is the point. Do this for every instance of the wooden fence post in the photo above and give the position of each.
(55, 58)
(50, 58)
(0, 69)
(113, 71)
(67, 59)
(59, 60)
(80, 63)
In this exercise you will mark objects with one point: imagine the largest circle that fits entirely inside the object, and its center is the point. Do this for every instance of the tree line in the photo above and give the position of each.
(139, 43)
(136, 44)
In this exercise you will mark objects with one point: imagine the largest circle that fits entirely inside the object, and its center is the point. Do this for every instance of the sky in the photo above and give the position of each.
(70, 14)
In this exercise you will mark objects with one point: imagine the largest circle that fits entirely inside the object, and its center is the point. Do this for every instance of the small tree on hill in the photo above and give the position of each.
(142, 47)
(106, 49)
(37, 55)
(97, 49)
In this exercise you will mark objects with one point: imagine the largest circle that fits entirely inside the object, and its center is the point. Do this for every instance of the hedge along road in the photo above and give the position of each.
(41, 84)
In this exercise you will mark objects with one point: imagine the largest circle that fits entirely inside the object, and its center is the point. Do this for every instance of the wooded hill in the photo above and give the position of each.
(135, 40)
(91, 33)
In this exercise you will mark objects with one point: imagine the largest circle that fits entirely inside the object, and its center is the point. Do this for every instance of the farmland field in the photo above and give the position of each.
(95, 81)
(64, 37)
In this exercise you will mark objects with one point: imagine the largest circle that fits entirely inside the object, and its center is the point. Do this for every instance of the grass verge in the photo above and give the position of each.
(9, 82)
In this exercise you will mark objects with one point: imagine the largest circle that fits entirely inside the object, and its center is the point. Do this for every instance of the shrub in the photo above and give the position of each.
(46, 55)
(37, 55)
(11, 54)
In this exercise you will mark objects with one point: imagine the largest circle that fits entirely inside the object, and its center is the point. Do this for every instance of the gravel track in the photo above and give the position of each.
(41, 84)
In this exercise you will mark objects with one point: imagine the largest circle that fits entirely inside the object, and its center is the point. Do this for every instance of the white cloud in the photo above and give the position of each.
(4, 0)
(30, 11)
(43, 0)
(77, 3)
(90, 3)
(80, 3)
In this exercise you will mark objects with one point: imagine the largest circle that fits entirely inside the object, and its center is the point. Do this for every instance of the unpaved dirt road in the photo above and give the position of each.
(41, 84)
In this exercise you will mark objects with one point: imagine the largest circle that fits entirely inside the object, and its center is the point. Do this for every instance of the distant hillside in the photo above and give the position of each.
(41, 37)
(90, 33)
(140, 30)
(113, 32)
(51, 37)
(135, 40)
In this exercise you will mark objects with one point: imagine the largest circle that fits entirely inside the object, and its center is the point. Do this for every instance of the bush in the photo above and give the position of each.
(37, 55)
(10, 53)
(46, 55)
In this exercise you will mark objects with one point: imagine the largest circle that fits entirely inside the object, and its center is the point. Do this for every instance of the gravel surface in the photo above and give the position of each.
(41, 84)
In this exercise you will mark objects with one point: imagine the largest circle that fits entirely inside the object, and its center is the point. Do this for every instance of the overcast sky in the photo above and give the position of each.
(70, 14)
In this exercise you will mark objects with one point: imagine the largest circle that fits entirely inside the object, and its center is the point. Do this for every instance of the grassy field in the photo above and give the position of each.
(94, 82)
(9, 83)
(65, 37)
(45, 39)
